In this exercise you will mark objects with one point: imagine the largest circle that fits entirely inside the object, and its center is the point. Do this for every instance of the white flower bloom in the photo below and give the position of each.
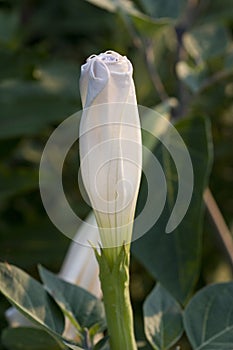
(110, 144)
(80, 267)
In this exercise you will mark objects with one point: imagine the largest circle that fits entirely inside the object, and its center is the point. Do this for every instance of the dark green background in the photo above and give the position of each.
(42, 46)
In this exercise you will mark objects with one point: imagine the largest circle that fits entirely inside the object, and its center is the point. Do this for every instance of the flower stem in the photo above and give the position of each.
(115, 287)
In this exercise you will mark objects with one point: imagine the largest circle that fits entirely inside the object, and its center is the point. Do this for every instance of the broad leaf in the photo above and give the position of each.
(174, 259)
(193, 77)
(113, 6)
(162, 318)
(207, 41)
(82, 308)
(208, 318)
(25, 338)
(72, 346)
(29, 296)
(143, 22)
(198, 78)
(163, 9)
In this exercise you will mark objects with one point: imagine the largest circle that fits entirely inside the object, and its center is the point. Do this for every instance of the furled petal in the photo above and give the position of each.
(110, 144)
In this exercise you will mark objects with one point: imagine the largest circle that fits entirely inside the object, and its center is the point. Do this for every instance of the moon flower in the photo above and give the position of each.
(110, 145)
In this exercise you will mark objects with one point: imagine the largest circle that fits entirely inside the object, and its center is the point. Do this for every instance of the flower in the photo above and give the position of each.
(110, 145)
(79, 267)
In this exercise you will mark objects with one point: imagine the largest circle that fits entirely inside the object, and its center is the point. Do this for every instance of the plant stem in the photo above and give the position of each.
(115, 287)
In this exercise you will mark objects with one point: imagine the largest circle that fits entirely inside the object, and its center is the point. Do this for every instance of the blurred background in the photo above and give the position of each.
(182, 53)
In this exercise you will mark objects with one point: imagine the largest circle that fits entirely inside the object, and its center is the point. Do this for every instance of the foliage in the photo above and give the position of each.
(163, 319)
(182, 53)
(205, 318)
(183, 246)
(31, 298)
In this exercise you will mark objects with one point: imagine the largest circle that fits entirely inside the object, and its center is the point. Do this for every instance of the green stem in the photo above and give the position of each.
(115, 287)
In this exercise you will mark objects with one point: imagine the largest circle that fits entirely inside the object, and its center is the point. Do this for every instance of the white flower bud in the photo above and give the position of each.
(110, 144)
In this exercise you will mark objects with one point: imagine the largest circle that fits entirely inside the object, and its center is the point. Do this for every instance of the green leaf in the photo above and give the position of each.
(143, 22)
(148, 26)
(198, 78)
(207, 41)
(73, 346)
(162, 318)
(23, 338)
(174, 259)
(208, 318)
(163, 9)
(81, 307)
(113, 6)
(29, 296)
(193, 77)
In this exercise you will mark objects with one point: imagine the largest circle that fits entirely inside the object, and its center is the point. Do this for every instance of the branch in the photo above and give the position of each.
(155, 78)
(186, 22)
(219, 225)
(145, 47)
(223, 74)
